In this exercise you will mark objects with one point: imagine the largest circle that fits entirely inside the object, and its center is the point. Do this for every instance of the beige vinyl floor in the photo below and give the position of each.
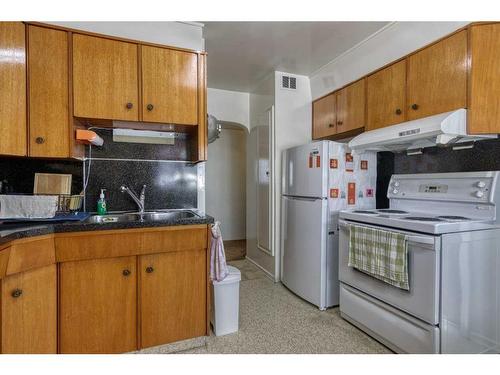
(274, 320)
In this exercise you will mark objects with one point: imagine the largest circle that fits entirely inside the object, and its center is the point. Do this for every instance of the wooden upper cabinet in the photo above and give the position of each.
(29, 312)
(13, 89)
(49, 128)
(484, 98)
(98, 306)
(437, 77)
(105, 78)
(169, 86)
(386, 96)
(173, 296)
(351, 107)
(324, 117)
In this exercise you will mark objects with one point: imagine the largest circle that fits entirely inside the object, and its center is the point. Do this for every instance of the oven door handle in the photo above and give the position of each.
(420, 240)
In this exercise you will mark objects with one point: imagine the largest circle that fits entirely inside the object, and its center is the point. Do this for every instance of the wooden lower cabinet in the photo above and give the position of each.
(29, 312)
(172, 296)
(98, 306)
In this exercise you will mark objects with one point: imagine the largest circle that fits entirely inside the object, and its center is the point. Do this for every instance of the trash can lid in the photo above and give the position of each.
(233, 276)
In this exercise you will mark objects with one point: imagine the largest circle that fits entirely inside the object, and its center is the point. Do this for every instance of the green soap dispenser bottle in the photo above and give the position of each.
(101, 204)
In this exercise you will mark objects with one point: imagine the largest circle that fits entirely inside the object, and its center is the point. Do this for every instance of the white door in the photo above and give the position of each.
(264, 182)
(305, 171)
(304, 247)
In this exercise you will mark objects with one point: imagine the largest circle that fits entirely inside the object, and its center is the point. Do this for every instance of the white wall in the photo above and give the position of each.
(230, 106)
(177, 34)
(390, 43)
(225, 182)
(226, 166)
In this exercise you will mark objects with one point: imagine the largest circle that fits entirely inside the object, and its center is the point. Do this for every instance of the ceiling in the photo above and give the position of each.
(242, 53)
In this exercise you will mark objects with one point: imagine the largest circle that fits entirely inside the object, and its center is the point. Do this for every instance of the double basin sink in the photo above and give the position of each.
(141, 217)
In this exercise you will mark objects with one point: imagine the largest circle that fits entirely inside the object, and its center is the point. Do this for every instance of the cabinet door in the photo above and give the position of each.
(173, 296)
(98, 306)
(29, 312)
(48, 92)
(437, 78)
(484, 99)
(386, 96)
(351, 107)
(105, 82)
(169, 86)
(13, 89)
(324, 117)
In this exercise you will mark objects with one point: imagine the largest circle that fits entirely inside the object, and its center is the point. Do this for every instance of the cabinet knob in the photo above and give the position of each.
(398, 111)
(129, 105)
(331, 125)
(414, 106)
(149, 269)
(40, 140)
(339, 123)
(149, 107)
(16, 293)
(126, 272)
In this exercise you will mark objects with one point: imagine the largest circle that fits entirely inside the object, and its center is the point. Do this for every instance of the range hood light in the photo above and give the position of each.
(415, 151)
(463, 146)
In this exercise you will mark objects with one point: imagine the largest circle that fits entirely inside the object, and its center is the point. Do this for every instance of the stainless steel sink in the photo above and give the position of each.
(146, 216)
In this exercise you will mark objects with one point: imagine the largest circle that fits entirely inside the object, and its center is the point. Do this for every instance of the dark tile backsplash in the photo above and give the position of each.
(180, 150)
(20, 172)
(169, 184)
(484, 156)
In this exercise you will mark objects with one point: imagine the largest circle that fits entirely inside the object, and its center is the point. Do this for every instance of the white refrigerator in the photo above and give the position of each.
(318, 180)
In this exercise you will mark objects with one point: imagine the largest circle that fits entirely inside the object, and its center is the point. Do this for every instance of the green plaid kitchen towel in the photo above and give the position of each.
(380, 253)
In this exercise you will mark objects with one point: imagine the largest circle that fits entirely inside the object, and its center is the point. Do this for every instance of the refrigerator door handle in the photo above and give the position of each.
(308, 199)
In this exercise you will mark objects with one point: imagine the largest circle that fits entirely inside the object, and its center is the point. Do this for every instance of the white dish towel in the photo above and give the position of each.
(218, 266)
(28, 206)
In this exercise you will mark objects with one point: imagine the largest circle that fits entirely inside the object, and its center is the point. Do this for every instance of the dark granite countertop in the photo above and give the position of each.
(10, 232)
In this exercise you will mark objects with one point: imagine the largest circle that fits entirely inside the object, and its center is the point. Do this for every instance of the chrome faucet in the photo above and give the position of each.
(139, 201)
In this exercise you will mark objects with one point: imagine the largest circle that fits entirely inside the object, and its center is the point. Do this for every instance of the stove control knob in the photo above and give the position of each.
(396, 183)
(479, 194)
(481, 184)
(395, 191)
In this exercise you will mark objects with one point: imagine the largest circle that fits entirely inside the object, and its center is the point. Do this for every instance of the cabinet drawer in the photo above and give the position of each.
(174, 239)
(100, 244)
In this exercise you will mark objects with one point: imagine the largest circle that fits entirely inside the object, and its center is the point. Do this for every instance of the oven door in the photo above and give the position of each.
(422, 300)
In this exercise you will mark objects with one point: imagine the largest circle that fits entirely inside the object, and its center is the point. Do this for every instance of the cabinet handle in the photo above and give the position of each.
(129, 105)
(398, 111)
(16, 293)
(331, 125)
(414, 106)
(149, 269)
(339, 123)
(126, 272)
(149, 107)
(40, 140)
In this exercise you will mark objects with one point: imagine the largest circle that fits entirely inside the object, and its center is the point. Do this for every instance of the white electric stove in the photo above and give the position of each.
(452, 225)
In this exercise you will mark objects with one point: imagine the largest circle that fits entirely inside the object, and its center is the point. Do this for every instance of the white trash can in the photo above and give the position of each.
(226, 303)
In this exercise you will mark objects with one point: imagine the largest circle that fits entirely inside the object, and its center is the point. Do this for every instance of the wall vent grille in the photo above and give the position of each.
(288, 82)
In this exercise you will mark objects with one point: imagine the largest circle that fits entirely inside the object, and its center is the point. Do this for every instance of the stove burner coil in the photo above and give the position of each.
(389, 211)
(450, 217)
(421, 218)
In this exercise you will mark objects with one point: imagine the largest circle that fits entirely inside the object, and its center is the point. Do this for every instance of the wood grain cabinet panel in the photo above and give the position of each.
(169, 86)
(351, 107)
(324, 117)
(49, 128)
(29, 312)
(386, 96)
(437, 77)
(105, 78)
(98, 306)
(484, 98)
(13, 89)
(173, 296)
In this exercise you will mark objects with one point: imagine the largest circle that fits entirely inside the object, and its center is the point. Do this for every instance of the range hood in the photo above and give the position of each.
(438, 130)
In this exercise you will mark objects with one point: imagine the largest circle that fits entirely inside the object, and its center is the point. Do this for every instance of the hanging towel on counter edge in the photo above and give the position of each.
(380, 253)
(218, 266)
